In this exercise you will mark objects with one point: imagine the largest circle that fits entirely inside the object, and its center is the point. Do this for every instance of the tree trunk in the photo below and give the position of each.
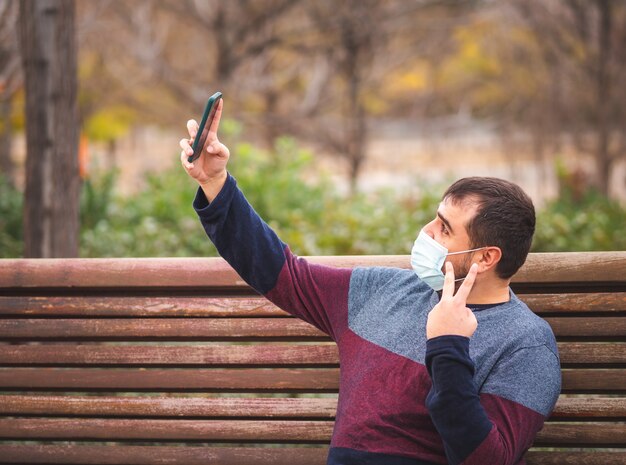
(7, 167)
(51, 204)
(603, 156)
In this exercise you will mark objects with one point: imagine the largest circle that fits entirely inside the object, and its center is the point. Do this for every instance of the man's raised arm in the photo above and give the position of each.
(317, 294)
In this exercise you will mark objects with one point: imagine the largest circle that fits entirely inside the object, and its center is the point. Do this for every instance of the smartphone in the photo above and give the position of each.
(205, 125)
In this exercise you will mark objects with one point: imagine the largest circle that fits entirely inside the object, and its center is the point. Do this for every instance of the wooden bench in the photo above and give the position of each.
(177, 361)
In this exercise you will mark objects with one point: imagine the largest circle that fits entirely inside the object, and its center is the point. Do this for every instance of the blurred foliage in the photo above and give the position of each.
(592, 223)
(312, 216)
(11, 244)
(109, 124)
(308, 214)
(156, 222)
(306, 210)
(581, 218)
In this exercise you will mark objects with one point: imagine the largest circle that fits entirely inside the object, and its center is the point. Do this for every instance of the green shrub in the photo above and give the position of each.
(579, 223)
(11, 242)
(309, 214)
(302, 205)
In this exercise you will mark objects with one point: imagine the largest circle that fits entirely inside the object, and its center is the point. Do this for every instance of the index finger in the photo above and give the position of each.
(217, 117)
(192, 127)
(448, 284)
(468, 283)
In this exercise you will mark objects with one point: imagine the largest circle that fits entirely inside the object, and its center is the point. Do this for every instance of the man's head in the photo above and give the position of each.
(488, 213)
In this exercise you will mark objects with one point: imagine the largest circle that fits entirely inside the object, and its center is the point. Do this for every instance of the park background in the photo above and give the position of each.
(346, 119)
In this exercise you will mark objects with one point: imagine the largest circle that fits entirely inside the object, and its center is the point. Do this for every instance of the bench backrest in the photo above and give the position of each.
(123, 361)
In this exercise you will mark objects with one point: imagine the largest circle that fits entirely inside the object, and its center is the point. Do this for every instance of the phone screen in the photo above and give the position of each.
(205, 125)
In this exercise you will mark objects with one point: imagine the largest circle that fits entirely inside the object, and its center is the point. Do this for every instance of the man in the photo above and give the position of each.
(424, 379)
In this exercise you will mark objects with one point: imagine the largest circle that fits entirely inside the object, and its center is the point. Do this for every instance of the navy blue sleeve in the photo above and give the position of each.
(453, 401)
(241, 237)
(315, 293)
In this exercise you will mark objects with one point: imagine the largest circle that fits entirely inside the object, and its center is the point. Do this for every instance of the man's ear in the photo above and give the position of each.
(489, 258)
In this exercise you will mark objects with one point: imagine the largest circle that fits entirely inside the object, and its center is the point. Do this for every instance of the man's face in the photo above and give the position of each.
(449, 229)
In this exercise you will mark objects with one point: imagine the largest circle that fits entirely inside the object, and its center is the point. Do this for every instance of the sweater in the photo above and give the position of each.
(403, 399)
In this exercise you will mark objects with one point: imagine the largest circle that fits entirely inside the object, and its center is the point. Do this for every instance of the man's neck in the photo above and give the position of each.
(489, 291)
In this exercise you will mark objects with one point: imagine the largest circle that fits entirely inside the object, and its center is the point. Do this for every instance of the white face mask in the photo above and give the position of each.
(428, 257)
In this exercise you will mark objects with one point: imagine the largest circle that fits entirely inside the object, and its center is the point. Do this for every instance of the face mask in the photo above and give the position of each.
(427, 259)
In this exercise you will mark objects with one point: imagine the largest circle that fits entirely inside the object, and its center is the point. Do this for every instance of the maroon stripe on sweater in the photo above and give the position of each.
(317, 294)
(514, 430)
(382, 410)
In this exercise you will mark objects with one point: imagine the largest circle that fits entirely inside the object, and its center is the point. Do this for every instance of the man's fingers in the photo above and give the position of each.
(183, 160)
(186, 146)
(468, 283)
(192, 127)
(217, 117)
(448, 283)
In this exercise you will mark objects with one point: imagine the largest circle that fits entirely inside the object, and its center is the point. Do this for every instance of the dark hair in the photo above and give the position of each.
(505, 218)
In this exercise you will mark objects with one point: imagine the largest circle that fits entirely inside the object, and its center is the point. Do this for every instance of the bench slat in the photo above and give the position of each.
(592, 353)
(614, 302)
(302, 431)
(575, 458)
(571, 267)
(198, 455)
(593, 380)
(160, 328)
(255, 306)
(183, 380)
(323, 408)
(323, 354)
(112, 305)
(580, 408)
(240, 329)
(582, 434)
(195, 455)
(244, 380)
(155, 455)
(590, 327)
(215, 355)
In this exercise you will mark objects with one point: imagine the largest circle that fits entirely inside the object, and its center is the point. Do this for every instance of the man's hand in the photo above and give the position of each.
(451, 317)
(209, 170)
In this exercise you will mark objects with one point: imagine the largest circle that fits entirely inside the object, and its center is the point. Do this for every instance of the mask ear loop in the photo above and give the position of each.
(465, 251)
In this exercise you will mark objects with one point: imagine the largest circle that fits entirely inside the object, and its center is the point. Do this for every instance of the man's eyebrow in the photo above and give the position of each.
(445, 221)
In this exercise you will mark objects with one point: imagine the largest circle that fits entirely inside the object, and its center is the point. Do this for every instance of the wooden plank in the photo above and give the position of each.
(567, 408)
(581, 408)
(609, 353)
(241, 329)
(592, 434)
(173, 329)
(593, 381)
(158, 455)
(167, 380)
(285, 407)
(198, 455)
(573, 267)
(241, 380)
(569, 267)
(301, 431)
(145, 306)
(268, 355)
(589, 327)
(614, 302)
(322, 354)
(575, 458)
(313, 355)
(254, 306)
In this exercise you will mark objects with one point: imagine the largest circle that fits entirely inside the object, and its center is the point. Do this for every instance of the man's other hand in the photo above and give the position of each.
(451, 317)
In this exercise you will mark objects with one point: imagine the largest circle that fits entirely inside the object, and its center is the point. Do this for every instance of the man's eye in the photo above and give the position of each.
(444, 230)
